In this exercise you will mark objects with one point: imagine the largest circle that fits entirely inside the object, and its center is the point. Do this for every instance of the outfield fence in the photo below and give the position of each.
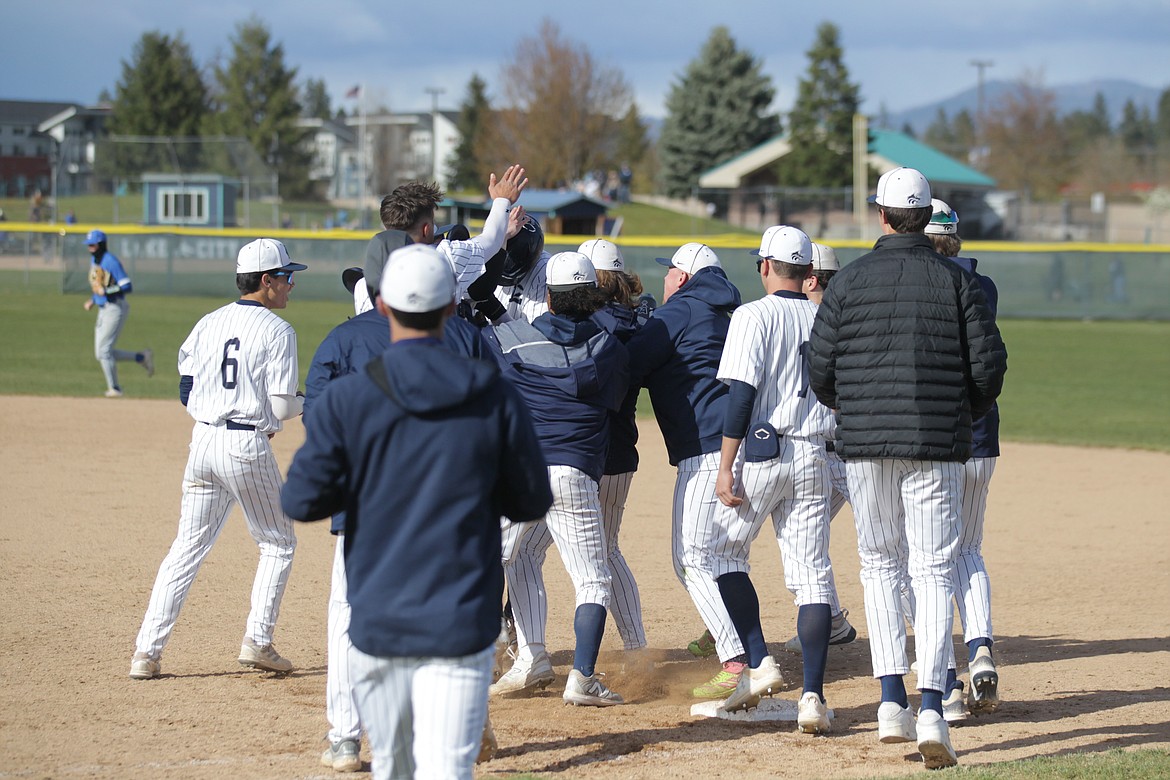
(1035, 280)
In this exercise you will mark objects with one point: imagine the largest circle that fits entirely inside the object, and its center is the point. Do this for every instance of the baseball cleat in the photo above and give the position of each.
(754, 684)
(812, 716)
(265, 658)
(722, 684)
(523, 677)
(148, 361)
(343, 756)
(955, 705)
(113, 392)
(895, 723)
(703, 647)
(589, 692)
(143, 667)
(841, 632)
(934, 741)
(984, 695)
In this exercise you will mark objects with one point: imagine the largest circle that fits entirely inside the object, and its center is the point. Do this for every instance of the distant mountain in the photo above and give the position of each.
(1069, 98)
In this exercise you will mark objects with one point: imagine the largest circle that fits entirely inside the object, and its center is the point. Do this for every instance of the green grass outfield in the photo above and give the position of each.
(1068, 382)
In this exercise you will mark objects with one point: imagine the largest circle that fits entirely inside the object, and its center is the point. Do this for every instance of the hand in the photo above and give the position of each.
(509, 186)
(516, 219)
(725, 489)
(88, 304)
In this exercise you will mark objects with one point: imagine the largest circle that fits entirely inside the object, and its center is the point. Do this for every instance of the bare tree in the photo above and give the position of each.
(1025, 140)
(561, 111)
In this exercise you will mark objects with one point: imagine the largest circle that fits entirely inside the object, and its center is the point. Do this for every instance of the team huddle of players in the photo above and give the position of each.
(484, 379)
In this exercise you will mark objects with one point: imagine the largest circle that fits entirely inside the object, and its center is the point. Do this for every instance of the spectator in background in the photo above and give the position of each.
(70, 218)
(625, 177)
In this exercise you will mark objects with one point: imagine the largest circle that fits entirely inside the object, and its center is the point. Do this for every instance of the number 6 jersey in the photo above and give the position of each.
(238, 356)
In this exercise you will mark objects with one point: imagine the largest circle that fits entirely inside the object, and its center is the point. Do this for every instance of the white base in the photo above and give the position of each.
(768, 709)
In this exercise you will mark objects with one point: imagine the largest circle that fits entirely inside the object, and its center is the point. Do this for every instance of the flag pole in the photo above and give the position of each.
(363, 150)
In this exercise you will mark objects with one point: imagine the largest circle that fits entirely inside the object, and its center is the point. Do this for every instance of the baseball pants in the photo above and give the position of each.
(424, 716)
(625, 604)
(224, 467)
(907, 517)
(793, 488)
(972, 585)
(574, 524)
(693, 528)
(111, 318)
(340, 702)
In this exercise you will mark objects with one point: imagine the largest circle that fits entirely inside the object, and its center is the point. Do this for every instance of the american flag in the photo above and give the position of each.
(354, 92)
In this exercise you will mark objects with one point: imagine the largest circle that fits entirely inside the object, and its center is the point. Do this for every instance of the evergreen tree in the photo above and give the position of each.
(632, 142)
(820, 125)
(940, 134)
(316, 101)
(161, 94)
(1162, 123)
(463, 167)
(1085, 128)
(717, 110)
(258, 100)
(1137, 134)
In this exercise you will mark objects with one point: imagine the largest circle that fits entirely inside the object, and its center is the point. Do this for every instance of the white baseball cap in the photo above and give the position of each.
(786, 244)
(605, 255)
(944, 220)
(265, 254)
(824, 258)
(691, 258)
(902, 188)
(417, 279)
(568, 270)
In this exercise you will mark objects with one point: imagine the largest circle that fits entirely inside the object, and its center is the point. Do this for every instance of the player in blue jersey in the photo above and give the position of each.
(109, 285)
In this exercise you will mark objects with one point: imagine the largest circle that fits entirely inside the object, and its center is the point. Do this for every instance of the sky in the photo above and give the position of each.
(70, 50)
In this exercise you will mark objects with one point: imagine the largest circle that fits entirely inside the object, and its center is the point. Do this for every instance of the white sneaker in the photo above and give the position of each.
(753, 684)
(589, 692)
(265, 658)
(522, 677)
(895, 723)
(812, 714)
(841, 632)
(984, 682)
(934, 741)
(143, 667)
(954, 705)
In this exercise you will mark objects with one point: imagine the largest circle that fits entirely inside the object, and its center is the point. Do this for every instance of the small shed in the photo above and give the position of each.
(197, 199)
(561, 212)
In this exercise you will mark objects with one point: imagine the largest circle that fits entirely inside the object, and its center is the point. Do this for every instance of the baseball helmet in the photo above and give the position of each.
(95, 237)
(523, 250)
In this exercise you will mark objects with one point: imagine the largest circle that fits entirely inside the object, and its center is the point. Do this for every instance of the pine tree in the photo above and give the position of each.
(464, 170)
(258, 100)
(717, 110)
(161, 94)
(316, 100)
(820, 125)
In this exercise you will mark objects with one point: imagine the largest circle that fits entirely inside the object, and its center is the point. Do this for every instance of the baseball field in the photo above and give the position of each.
(1077, 547)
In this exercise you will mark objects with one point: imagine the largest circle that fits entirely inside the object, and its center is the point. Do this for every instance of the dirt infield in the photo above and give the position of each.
(1077, 548)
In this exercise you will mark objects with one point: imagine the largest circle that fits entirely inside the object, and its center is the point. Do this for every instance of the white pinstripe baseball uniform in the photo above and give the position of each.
(468, 257)
(780, 466)
(527, 299)
(239, 357)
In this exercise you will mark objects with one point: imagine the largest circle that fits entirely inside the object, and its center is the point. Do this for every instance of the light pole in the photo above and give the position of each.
(980, 137)
(434, 92)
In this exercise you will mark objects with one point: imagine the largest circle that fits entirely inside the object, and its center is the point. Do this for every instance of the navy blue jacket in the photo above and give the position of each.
(357, 341)
(985, 430)
(623, 426)
(676, 357)
(423, 479)
(572, 375)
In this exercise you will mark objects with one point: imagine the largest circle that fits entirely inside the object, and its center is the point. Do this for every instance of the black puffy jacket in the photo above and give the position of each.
(906, 349)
